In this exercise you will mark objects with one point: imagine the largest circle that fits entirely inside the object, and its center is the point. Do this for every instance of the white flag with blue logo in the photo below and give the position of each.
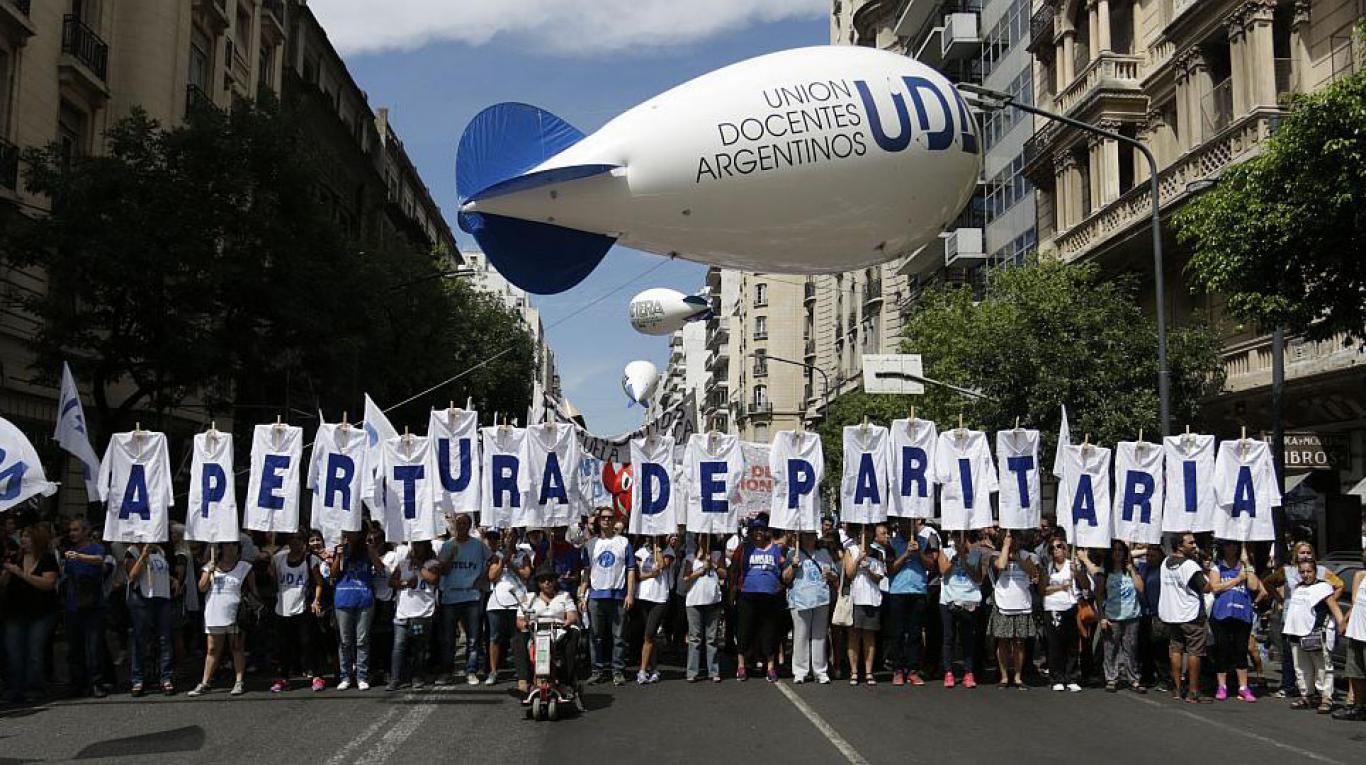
(378, 429)
(73, 436)
(21, 474)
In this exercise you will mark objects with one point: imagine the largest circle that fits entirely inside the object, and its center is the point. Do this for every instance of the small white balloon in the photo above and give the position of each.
(662, 311)
(639, 380)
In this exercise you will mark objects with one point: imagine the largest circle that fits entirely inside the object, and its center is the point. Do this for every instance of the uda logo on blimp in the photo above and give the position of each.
(918, 88)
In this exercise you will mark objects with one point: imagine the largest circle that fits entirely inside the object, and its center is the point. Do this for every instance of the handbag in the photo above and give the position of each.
(1313, 642)
(843, 615)
(251, 612)
(1086, 617)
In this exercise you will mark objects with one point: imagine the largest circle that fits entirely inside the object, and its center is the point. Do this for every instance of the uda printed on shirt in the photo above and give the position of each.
(135, 482)
(866, 474)
(797, 463)
(654, 500)
(272, 501)
(713, 465)
(963, 468)
(913, 449)
(211, 515)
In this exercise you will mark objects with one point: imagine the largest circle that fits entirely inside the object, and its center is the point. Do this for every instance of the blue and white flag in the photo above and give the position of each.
(73, 436)
(21, 473)
(378, 429)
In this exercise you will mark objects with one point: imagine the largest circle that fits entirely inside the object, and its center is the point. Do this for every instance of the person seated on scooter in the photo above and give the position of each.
(548, 601)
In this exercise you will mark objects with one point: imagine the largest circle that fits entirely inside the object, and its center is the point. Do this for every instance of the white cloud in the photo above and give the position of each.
(562, 27)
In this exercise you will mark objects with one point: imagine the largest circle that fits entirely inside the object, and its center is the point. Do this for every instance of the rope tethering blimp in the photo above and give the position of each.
(805, 161)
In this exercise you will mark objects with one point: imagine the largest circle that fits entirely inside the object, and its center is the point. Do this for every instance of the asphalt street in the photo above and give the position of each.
(675, 721)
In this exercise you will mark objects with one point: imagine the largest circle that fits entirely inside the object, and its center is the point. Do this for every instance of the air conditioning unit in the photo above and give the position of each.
(963, 248)
(961, 38)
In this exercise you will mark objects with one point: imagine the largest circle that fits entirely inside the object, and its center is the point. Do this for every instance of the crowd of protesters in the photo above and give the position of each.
(899, 602)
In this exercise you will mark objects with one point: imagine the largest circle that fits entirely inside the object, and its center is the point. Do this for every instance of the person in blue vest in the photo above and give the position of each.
(761, 604)
(1236, 589)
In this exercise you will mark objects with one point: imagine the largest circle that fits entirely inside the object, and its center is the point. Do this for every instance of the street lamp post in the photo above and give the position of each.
(995, 100)
(802, 364)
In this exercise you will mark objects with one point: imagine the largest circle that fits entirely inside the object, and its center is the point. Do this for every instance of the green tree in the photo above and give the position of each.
(1042, 336)
(1283, 235)
(197, 261)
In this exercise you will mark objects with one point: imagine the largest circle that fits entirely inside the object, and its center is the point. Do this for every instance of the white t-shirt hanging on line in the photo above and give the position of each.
(455, 439)
(1017, 463)
(654, 487)
(1083, 508)
(913, 471)
(339, 475)
(797, 462)
(135, 479)
(406, 482)
(1189, 483)
(504, 478)
(1245, 491)
(1138, 500)
(556, 483)
(713, 465)
(211, 515)
(866, 477)
(272, 501)
(963, 468)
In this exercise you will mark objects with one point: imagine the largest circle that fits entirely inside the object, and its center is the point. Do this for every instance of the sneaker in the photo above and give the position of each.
(391, 687)
(914, 678)
(594, 678)
(199, 690)
(136, 691)
(948, 679)
(716, 678)
(642, 677)
(361, 685)
(654, 677)
(1059, 687)
(898, 678)
(741, 673)
(168, 688)
(773, 674)
(618, 678)
(344, 685)
(471, 679)
(692, 678)
(491, 679)
(319, 684)
(99, 692)
(798, 680)
(278, 686)
(969, 681)
(823, 679)
(1245, 693)
(1221, 693)
(238, 688)
(444, 680)
(1073, 687)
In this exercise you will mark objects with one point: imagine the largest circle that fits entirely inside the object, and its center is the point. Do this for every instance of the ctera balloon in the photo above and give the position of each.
(813, 160)
(639, 380)
(662, 311)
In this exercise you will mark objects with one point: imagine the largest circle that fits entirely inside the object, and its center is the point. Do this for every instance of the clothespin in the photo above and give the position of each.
(407, 442)
(1242, 443)
(865, 423)
(279, 422)
(346, 422)
(137, 430)
(1086, 443)
(1141, 443)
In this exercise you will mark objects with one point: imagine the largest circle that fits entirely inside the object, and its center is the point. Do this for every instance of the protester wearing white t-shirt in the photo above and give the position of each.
(223, 581)
(510, 571)
(1012, 616)
(549, 602)
(703, 573)
(415, 578)
(1306, 616)
(654, 581)
(865, 566)
(1061, 581)
(298, 598)
(1182, 608)
(149, 606)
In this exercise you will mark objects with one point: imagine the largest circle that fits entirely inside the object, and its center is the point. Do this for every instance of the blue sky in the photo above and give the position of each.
(435, 77)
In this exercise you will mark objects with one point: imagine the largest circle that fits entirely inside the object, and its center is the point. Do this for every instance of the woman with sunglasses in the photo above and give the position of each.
(1061, 583)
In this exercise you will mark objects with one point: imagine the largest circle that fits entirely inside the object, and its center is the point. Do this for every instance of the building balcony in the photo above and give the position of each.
(761, 301)
(718, 359)
(215, 13)
(963, 248)
(809, 292)
(1247, 365)
(85, 58)
(760, 370)
(196, 97)
(760, 335)
(872, 293)
(957, 38)
(15, 22)
(1134, 207)
(273, 18)
(810, 348)
(1038, 155)
(9, 167)
(1107, 72)
(1041, 30)
(759, 408)
(717, 334)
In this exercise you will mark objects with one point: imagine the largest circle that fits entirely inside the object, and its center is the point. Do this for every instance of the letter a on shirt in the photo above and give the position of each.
(212, 513)
(654, 496)
(912, 489)
(1189, 493)
(557, 485)
(1244, 491)
(1017, 460)
(407, 482)
(797, 463)
(963, 467)
(1137, 512)
(866, 474)
(713, 465)
(272, 501)
(504, 478)
(455, 440)
(135, 478)
(340, 477)
(1083, 508)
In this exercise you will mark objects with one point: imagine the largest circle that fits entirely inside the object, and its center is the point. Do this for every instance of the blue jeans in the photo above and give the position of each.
(470, 615)
(607, 618)
(704, 633)
(85, 646)
(25, 644)
(151, 624)
(409, 638)
(353, 625)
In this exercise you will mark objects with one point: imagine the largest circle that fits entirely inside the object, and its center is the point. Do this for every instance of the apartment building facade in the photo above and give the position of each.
(1203, 84)
(69, 69)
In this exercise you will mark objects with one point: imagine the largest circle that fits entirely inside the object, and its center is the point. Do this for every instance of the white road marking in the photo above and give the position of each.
(845, 748)
(362, 737)
(1240, 731)
(400, 732)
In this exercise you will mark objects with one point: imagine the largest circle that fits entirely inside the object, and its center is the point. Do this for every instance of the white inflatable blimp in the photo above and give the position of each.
(813, 160)
(661, 311)
(639, 380)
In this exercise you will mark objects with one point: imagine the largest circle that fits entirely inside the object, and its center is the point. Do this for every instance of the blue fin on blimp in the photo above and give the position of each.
(499, 148)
